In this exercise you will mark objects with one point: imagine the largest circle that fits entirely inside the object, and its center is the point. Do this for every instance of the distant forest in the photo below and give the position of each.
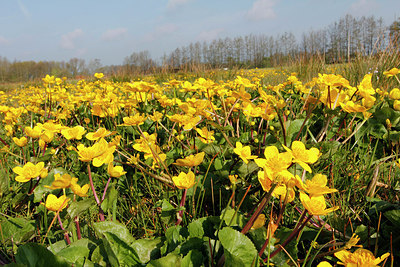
(339, 42)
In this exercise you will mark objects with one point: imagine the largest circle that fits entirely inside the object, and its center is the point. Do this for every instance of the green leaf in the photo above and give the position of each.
(17, 229)
(76, 208)
(238, 249)
(119, 252)
(73, 253)
(205, 226)
(393, 216)
(218, 164)
(33, 255)
(196, 228)
(115, 228)
(293, 128)
(167, 261)
(147, 249)
(167, 211)
(99, 255)
(174, 237)
(111, 197)
(247, 169)
(77, 250)
(193, 259)
(232, 219)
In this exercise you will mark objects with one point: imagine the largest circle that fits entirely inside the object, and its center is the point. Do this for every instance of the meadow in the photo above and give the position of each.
(283, 167)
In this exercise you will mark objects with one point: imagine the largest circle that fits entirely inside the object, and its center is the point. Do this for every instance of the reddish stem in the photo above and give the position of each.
(62, 227)
(180, 213)
(101, 213)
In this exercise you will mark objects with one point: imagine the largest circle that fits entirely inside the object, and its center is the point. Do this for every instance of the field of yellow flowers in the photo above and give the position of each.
(248, 170)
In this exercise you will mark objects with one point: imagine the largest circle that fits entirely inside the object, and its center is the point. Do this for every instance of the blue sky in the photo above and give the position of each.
(111, 30)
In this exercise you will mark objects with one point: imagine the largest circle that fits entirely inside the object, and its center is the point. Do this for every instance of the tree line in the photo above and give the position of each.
(341, 41)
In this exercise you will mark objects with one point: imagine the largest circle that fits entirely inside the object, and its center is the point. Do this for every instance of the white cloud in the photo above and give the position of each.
(363, 7)
(68, 39)
(114, 34)
(261, 10)
(172, 4)
(4, 41)
(209, 35)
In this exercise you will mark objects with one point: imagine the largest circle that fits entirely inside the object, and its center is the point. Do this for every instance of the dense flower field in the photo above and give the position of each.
(201, 172)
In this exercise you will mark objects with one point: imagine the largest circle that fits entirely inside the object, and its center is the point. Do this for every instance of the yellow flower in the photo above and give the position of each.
(157, 116)
(259, 222)
(184, 180)
(394, 94)
(135, 120)
(115, 171)
(244, 152)
(60, 182)
(264, 180)
(191, 160)
(396, 105)
(47, 136)
(73, 133)
(48, 79)
(21, 142)
(99, 75)
(275, 164)
(206, 136)
(190, 122)
(360, 257)
(233, 179)
(101, 132)
(30, 171)
(391, 72)
(104, 158)
(302, 156)
(77, 189)
(317, 186)
(87, 154)
(352, 242)
(56, 204)
(35, 132)
(134, 159)
(324, 264)
(282, 191)
(315, 205)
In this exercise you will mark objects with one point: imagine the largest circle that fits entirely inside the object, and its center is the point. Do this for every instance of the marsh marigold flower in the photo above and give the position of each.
(184, 180)
(206, 136)
(99, 75)
(35, 132)
(303, 156)
(360, 257)
(315, 186)
(244, 152)
(56, 204)
(134, 120)
(100, 153)
(391, 72)
(115, 171)
(315, 205)
(60, 181)
(275, 164)
(100, 133)
(77, 189)
(191, 160)
(21, 142)
(30, 171)
(73, 133)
